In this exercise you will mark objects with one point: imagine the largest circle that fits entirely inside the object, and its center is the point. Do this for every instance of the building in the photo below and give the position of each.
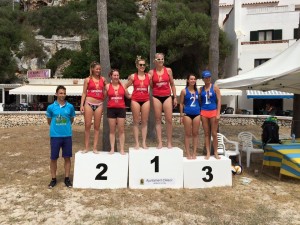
(258, 31)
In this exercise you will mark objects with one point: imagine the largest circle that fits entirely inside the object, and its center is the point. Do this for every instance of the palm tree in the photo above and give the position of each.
(105, 62)
(214, 40)
(151, 122)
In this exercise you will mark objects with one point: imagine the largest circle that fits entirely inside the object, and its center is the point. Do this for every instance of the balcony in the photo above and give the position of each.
(276, 9)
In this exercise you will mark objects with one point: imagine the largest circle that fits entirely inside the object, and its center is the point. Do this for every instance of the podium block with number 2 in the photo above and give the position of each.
(100, 171)
(155, 168)
(202, 173)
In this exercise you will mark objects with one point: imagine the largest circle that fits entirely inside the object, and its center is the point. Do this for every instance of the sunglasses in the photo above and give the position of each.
(162, 59)
(142, 65)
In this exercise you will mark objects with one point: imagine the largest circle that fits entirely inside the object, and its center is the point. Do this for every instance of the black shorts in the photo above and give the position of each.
(116, 113)
(162, 99)
(191, 116)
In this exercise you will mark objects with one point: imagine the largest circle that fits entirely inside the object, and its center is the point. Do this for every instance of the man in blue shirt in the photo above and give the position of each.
(60, 116)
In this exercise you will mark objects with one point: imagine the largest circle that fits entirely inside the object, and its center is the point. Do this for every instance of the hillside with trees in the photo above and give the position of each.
(183, 35)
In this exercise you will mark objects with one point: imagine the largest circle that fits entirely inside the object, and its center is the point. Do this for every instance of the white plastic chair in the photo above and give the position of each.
(224, 149)
(246, 140)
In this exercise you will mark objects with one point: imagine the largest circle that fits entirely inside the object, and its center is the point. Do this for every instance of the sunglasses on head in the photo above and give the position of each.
(158, 59)
(142, 65)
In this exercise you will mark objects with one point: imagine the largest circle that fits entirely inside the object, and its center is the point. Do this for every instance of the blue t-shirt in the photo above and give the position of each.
(208, 99)
(191, 103)
(60, 125)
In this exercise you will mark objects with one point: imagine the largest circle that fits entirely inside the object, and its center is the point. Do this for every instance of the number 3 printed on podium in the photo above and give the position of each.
(208, 170)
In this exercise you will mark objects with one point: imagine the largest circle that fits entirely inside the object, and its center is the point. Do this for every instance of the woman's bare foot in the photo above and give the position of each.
(96, 151)
(170, 145)
(188, 156)
(112, 152)
(217, 156)
(84, 151)
(137, 146)
(159, 146)
(145, 146)
(207, 156)
(194, 156)
(122, 152)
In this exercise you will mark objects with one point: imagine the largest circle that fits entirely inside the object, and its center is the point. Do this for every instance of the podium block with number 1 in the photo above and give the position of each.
(100, 171)
(155, 168)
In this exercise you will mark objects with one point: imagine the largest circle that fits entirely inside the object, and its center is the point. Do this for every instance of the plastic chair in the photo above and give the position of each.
(223, 144)
(246, 140)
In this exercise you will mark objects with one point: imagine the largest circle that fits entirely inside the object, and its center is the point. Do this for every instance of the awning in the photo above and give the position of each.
(72, 90)
(224, 92)
(76, 90)
(268, 94)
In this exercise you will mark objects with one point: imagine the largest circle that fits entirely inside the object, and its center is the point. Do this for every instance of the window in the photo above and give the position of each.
(258, 62)
(296, 34)
(265, 35)
(1, 95)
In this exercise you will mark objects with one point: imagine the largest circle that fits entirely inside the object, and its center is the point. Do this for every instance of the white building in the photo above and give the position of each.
(258, 31)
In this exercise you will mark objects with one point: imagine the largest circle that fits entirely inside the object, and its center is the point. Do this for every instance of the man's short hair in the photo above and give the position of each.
(60, 87)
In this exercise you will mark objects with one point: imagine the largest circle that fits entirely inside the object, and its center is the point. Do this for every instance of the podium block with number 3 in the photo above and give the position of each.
(155, 168)
(100, 171)
(202, 173)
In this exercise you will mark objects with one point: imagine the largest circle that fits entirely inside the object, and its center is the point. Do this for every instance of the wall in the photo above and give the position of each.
(17, 119)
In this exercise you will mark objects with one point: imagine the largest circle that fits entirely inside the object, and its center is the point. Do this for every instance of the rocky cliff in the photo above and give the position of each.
(56, 43)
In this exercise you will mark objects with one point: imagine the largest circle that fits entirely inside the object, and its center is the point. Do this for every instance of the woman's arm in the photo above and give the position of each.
(181, 102)
(127, 95)
(151, 77)
(218, 94)
(83, 96)
(172, 84)
(129, 81)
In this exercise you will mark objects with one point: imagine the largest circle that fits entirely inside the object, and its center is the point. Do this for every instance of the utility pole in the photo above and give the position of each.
(296, 108)
(13, 5)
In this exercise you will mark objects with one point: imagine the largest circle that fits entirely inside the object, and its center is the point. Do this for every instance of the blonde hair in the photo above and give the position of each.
(138, 59)
(92, 66)
(159, 53)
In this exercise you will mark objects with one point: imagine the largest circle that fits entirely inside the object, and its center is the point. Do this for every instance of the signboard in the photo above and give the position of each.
(43, 73)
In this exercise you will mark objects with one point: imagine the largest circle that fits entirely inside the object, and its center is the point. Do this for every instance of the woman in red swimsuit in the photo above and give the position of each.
(162, 83)
(140, 103)
(116, 112)
(91, 104)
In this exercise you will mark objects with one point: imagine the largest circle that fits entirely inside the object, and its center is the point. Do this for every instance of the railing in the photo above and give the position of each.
(263, 42)
(276, 9)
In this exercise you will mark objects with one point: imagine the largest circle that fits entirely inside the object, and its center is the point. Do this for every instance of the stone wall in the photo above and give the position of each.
(16, 119)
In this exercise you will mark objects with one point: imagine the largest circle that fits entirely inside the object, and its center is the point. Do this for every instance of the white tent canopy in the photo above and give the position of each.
(282, 73)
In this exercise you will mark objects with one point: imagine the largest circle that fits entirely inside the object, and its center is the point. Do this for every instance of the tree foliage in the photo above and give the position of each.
(10, 38)
(183, 34)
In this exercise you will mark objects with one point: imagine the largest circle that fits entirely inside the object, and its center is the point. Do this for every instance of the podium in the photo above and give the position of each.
(100, 171)
(150, 169)
(155, 168)
(202, 173)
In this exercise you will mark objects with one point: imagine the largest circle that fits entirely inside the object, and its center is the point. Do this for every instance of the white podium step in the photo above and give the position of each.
(100, 171)
(202, 173)
(155, 168)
